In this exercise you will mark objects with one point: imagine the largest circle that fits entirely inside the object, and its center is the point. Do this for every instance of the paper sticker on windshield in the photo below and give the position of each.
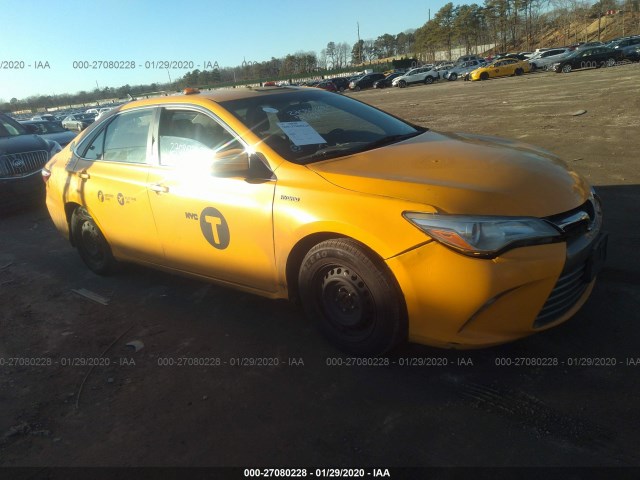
(301, 133)
(269, 110)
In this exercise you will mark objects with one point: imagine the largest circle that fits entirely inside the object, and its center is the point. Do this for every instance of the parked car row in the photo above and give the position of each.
(474, 67)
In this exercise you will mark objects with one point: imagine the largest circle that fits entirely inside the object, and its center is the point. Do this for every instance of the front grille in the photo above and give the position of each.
(581, 230)
(15, 165)
(578, 221)
(569, 288)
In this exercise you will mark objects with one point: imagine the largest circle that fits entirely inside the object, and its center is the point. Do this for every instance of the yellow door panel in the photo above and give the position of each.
(115, 194)
(218, 227)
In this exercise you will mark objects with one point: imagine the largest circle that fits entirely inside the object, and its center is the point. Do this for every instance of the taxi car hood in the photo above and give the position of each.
(462, 174)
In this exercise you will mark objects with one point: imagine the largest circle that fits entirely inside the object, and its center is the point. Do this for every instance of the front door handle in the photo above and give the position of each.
(84, 175)
(158, 188)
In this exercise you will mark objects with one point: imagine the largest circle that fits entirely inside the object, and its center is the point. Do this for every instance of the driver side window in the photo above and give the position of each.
(189, 136)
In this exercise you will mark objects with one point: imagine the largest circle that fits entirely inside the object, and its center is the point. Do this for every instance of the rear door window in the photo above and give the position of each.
(126, 137)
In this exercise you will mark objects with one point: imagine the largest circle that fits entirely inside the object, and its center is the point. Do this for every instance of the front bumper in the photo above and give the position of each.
(462, 302)
(22, 191)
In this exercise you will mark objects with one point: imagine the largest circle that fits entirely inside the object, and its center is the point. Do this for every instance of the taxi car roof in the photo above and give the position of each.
(216, 96)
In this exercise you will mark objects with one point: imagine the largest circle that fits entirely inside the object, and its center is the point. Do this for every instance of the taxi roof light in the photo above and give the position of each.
(190, 91)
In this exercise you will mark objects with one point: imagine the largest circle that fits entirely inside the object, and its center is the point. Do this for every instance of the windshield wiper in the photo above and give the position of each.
(333, 151)
(349, 148)
(390, 139)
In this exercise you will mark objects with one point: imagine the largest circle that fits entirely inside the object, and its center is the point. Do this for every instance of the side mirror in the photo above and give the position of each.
(238, 163)
(231, 163)
(31, 128)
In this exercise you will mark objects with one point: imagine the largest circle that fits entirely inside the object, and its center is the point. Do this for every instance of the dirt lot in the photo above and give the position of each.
(131, 410)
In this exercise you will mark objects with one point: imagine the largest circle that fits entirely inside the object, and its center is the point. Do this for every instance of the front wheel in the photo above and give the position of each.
(611, 62)
(428, 80)
(484, 76)
(353, 297)
(402, 84)
(92, 246)
(566, 68)
(453, 77)
(519, 71)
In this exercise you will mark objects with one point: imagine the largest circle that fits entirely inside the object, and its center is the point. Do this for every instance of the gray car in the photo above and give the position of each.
(544, 60)
(426, 75)
(460, 70)
(78, 121)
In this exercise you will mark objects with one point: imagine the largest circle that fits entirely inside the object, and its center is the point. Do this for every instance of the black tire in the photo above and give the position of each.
(428, 80)
(566, 68)
(533, 67)
(610, 62)
(356, 88)
(484, 76)
(402, 84)
(519, 71)
(453, 77)
(91, 244)
(352, 297)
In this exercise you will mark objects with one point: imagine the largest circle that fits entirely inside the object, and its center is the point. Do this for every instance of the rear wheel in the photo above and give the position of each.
(428, 80)
(453, 77)
(353, 298)
(611, 62)
(92, 246)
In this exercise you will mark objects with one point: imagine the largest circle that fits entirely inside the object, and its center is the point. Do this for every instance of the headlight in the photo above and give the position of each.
(483, 236)
(54, 147)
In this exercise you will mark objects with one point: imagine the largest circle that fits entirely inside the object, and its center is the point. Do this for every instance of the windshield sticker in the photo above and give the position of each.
(308, 112)
(301, 133)
(269, 110)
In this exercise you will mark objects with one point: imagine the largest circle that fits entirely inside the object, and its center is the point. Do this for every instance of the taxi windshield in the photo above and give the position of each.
(307, 126)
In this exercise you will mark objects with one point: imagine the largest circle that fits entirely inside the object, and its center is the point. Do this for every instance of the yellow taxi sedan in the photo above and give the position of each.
(501, 68)
(384, 231)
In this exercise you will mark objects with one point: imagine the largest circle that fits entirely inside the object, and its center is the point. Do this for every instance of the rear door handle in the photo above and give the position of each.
(158, 188)
(84, 175)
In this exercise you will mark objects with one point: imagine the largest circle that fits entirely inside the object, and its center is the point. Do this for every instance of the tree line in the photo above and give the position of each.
(519, 25)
